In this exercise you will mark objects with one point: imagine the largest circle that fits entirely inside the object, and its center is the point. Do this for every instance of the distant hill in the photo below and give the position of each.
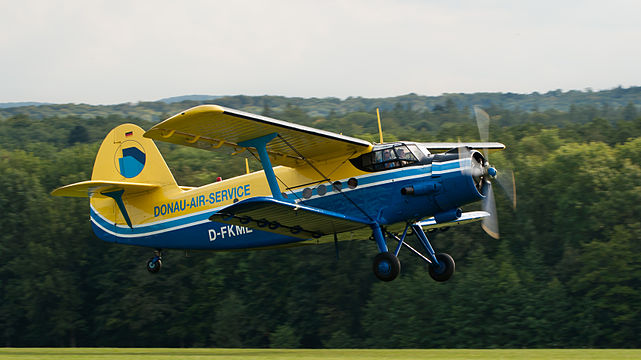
(19, 104)
(176, 99)
(322, 107)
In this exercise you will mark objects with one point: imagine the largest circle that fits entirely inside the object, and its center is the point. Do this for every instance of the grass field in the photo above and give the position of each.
(272, 354)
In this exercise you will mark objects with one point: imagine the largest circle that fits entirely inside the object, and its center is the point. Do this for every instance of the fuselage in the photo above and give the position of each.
(177, 218)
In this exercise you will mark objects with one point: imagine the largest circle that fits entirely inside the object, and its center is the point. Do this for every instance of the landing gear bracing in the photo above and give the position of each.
(386, 265)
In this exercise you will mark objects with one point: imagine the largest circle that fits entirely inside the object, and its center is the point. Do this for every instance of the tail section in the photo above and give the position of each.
(127, 165)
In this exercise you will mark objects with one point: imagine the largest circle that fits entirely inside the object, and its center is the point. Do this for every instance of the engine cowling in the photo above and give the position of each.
(462, 174)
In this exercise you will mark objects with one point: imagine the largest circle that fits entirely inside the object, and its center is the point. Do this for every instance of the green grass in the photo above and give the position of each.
(223, 354)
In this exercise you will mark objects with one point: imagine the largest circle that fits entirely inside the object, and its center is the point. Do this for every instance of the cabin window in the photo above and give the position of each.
(337, 186)
(388, 157)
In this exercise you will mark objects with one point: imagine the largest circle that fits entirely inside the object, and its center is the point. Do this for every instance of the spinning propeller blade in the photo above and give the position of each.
(490, 224)
(505, 178)
(463, 155)
(483, 123)
(506, 181)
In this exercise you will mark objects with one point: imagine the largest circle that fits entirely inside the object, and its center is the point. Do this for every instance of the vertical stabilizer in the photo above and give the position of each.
(125, 155)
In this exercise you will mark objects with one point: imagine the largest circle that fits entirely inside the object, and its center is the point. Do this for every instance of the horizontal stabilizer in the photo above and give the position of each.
(281, 217)
(97, 188)
(466, 217)
(436, 147)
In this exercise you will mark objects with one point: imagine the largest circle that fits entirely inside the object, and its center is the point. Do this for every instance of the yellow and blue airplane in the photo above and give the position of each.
(313, 183)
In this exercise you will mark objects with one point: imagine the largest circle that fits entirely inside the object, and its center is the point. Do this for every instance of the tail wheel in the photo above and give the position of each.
(445, 268)
(154, 264)
(386, 266)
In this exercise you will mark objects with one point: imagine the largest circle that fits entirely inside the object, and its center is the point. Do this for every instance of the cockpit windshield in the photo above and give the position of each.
(389, 156)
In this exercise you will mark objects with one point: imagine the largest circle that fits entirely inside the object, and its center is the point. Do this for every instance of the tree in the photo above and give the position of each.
(78, 134)
(630, 112)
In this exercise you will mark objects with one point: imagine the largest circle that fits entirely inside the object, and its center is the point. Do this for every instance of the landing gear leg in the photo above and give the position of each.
(386, 265)
(155, 263)
(442, 265)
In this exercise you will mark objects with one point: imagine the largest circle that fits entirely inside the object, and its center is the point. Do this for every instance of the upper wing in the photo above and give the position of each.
(281, 217)
(435, 147)
(211, 126)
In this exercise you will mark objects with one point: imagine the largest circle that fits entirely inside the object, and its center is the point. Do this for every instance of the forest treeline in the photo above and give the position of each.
(565, 273)
(323, 107)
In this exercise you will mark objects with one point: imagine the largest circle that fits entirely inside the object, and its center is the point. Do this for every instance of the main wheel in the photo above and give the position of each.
(154, 264)
(444, 270)
(386, 266)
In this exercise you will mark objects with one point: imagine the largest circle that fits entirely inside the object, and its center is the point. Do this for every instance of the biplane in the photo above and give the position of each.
(313, 184)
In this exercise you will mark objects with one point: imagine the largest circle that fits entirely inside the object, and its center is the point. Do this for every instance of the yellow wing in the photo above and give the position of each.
(211, 127)
(97, 188)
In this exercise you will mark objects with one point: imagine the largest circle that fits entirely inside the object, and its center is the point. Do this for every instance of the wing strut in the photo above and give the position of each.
(325, 178)
(260, 144)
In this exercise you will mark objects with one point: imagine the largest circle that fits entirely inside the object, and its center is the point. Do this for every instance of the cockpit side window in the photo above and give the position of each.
(389, 157)
(419, 155)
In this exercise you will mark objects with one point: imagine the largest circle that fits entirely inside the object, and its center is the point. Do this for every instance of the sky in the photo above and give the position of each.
(110, 52)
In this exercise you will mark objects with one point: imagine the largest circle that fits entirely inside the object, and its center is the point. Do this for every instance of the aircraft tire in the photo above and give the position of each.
(154, 265)
(445, 271)
(386, 266)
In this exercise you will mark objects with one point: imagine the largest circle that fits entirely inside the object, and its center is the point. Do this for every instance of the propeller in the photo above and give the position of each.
(506, 181)
(505, 178)
(490, 224)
